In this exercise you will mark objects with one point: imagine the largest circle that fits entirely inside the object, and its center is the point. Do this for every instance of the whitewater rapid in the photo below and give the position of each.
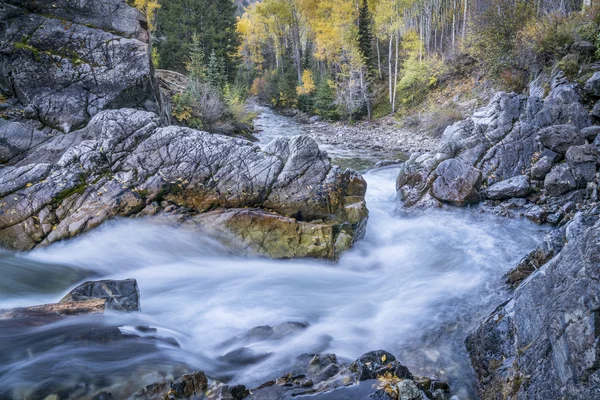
(413, 286)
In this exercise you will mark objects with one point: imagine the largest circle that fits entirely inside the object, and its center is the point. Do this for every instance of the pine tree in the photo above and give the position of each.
(215, 72)
(196, 66)
(215, 23)
(365, 32)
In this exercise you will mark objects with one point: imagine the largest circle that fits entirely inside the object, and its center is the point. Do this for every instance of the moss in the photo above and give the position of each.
(77, 189)
(27, 47)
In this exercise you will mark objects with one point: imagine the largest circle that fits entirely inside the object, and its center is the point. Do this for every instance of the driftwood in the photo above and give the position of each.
(95, 306)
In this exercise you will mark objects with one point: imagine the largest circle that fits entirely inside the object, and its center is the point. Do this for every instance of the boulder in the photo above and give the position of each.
(583, 161)
(560, 180)
(596, 111)
(123, 295)
(545, 341)
(518, 186)
(540, 169)
(456, 183)
(559, 138)
(591, 132)
(592, 86)
(122, 162)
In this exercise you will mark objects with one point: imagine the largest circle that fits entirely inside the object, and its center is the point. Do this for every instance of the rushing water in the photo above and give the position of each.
(413, 286)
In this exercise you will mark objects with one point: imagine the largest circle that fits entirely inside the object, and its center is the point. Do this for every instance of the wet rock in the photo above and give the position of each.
(592, 86)
(560, 180)
(541, 168)
(456, 183)
(188, 386)
(405, 389)
(239, 392)
(559, 138)
(288, 328)
(514, 187)
(537, 214)
(102, 396)
(243, 356)
(121, 295)
(375, 363)
(583, 161)
(544, 341)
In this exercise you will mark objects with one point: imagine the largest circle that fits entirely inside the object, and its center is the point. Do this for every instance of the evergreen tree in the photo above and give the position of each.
(196, 66)
(214, 22)
(215, 74)
(365, 32)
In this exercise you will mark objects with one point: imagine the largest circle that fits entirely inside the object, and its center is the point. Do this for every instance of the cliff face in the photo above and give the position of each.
(65, 61)
(83, 140)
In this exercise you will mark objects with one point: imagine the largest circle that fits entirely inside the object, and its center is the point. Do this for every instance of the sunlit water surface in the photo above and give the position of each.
(413, 287)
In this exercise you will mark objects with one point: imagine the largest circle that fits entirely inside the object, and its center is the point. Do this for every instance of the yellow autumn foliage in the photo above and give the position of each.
(308, 84)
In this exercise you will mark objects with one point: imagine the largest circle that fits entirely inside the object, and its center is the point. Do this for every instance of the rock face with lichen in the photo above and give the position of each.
(84, 140)
(544, 343)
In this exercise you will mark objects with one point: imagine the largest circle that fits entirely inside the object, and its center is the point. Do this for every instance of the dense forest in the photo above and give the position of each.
(354, 59)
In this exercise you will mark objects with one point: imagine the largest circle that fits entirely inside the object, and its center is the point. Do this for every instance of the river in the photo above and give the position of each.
(414, 286)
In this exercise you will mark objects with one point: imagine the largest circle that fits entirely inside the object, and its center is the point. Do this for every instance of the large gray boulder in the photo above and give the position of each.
(456, 183)
(583, 161)
(518, 186)
(500, 140)
(124, 164)
(540, 169)
(65, 61)
(560, 180)
(559, 138)
(544, 343)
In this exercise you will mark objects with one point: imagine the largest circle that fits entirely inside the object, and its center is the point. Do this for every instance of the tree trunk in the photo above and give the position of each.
(465, 19)
(390, 75)
(396, 73)
(379, 59)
